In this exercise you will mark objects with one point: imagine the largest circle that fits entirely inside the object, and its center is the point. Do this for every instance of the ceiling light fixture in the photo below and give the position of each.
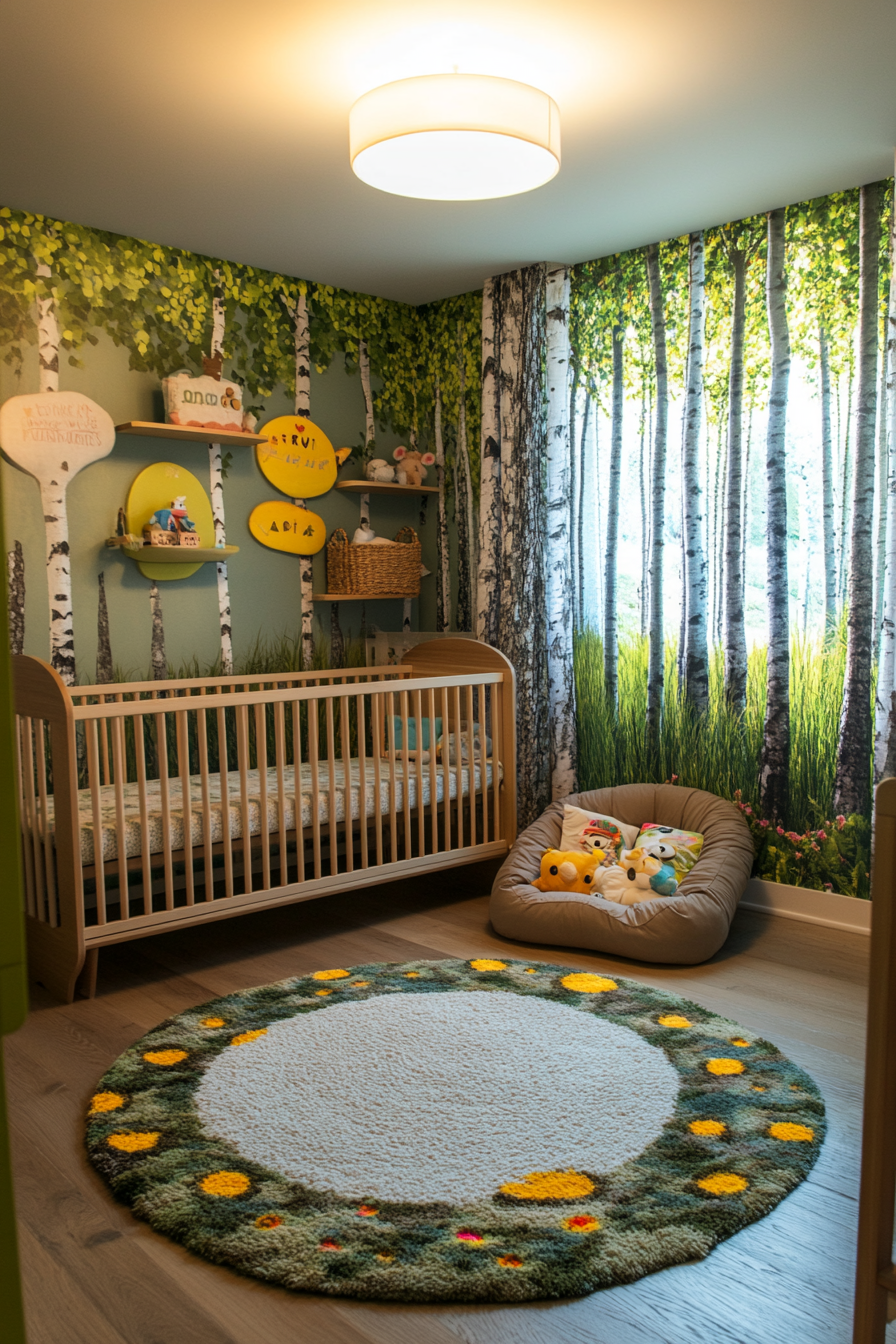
(455, 137)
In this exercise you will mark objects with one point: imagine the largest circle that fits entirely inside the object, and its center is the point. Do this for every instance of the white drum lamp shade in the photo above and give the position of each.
(455, 137)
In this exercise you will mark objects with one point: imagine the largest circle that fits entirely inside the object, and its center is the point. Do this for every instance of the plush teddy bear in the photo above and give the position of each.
(569, 871)
(378, 469)
(412, 465)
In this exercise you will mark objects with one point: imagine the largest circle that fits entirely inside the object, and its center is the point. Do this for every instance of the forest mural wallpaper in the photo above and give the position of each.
(666, 489)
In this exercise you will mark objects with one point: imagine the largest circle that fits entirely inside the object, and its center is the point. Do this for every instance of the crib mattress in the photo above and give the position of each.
(294, 803)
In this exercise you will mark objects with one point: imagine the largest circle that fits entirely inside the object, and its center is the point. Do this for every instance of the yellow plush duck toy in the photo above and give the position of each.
(568, 871)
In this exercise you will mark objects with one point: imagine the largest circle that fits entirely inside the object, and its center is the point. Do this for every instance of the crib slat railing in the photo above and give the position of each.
(224, 777)
(483, 766)
(433, 773)
(314, 769)
(261, 763)
(376, 738)
(182, 729)
(208, 863)
(116, 728)
(242, 767)
(331, 785)
(363, 819)
(93, 774)
(347, 803)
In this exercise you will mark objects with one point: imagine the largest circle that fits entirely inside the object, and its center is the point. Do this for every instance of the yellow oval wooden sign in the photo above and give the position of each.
(297, 457)
(155, 488)
(286, 527)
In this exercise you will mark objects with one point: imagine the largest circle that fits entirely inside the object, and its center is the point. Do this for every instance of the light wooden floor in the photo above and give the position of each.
(93, 1274)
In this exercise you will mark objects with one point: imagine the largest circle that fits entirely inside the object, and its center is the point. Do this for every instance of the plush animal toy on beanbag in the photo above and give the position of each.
(569, 871)
(647, 870)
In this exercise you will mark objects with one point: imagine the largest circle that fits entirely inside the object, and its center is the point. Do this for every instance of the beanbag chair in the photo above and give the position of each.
(682, 929)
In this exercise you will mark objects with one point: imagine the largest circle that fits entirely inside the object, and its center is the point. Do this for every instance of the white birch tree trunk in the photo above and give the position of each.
(584, 464)
(852, 777)
(406, 616)
(696, 656)
(47, 335)
(216, 490)
(59, 580)
(463, 508)
(369, 420)
(558, 568)
(522, 629)
(303, 407)
(880, 500)
(158, 660)
(489, 577)
(611, 558)
(443, 592)
(774, 759)
(15, 569)
(885, 704)
(656, 634)
(59, 577)
(827, 488)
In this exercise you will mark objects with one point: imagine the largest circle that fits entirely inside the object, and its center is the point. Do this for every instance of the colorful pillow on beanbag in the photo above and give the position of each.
(680, 849)
(586, 831)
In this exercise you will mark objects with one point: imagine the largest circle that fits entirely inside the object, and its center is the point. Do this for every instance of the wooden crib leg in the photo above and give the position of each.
(85, 987)
(55, 958)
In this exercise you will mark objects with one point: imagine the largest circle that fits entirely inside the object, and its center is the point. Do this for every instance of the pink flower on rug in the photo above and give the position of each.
(466, 1235)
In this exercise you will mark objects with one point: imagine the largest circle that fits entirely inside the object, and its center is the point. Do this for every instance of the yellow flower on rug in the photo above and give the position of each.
(675, 1020)
(584, 983)
(790, 1133)
(723, 1183)
(212, 1022)
(331, 975)
(105, 1101)
(225, 1184)
(484, 964)
(723, 1067)
(246, 1036)
(581, 1222)
(165, 1058)
(133, 1143)
(707, 1128)
(550, 1185)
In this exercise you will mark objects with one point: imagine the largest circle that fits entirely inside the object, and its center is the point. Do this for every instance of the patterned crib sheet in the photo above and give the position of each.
(391, 774)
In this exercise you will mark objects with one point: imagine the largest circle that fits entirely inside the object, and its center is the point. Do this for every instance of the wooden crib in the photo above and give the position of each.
(148, 806)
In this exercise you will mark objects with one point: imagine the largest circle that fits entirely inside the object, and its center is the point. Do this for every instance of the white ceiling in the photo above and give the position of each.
(222, 127)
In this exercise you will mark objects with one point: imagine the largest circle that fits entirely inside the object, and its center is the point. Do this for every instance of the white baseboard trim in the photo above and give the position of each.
(812, 907)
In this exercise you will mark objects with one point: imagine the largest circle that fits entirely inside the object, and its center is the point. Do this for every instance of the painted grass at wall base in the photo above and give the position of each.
(186, 1128)
(720, 752)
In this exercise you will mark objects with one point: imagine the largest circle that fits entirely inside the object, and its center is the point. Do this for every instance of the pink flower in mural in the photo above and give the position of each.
(765, 823)
(822, 835)
(780, 830)
(841, 821)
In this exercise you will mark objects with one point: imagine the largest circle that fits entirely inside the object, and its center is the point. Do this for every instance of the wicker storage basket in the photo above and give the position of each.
(374, 569)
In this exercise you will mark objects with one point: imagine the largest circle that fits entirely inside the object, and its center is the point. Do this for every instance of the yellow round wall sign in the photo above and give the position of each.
(155, 488)
(285, 527)
(298, 458)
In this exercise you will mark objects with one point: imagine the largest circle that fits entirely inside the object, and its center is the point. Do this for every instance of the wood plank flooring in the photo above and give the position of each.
(93, 1273)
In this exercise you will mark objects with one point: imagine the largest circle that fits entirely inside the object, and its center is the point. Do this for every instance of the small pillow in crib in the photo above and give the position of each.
(680, 849)
(573, 871)
(412, 732)
(586, 831)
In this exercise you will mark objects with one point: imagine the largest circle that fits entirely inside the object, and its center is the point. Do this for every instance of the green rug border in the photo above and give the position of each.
(651, 1211)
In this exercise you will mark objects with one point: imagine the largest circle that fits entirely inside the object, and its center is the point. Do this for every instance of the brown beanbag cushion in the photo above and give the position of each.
(684, 929)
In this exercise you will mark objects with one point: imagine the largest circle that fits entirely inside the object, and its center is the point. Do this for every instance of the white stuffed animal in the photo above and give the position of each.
(363, 535)
(614, 884)
(378, 469)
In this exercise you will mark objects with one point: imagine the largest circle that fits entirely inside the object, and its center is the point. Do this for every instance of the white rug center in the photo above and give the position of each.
(438, 1096)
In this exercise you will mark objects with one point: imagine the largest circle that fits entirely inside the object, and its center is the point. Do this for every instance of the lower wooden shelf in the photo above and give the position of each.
(363, 597)
(178, 555)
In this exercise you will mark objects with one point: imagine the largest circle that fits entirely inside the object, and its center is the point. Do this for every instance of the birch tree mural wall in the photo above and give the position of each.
(756, 657)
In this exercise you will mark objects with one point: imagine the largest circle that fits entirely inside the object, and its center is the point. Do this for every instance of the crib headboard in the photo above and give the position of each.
(455, 657)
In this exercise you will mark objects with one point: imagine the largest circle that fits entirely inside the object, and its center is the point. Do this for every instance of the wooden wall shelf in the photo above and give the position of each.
(386, 488)
(231, 438)
(362, 597)
(178, 555)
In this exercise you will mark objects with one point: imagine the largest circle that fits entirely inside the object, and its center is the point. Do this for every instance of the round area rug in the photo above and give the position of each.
(452, 1130)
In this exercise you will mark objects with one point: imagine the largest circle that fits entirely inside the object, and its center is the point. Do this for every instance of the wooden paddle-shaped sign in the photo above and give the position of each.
(52, 436)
